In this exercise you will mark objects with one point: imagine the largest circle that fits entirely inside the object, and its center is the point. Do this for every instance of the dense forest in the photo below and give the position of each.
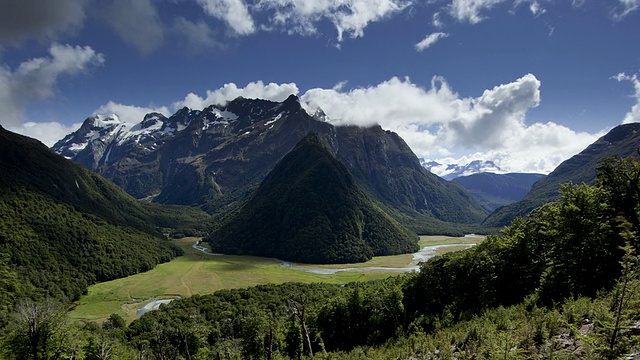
(310, 209)
(63, 228)
(562, 283)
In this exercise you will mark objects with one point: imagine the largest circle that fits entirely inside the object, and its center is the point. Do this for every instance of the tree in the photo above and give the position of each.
(39, 331)
(621, 179)
(299, 309)
(584, 246)
(114, 321)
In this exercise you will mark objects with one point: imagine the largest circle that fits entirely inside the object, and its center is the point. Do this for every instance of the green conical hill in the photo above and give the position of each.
(310, 209)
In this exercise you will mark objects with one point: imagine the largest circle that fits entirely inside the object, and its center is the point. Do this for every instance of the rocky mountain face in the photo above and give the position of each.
(309, 208)
(623, 141)
(496, 190)
(217, 157)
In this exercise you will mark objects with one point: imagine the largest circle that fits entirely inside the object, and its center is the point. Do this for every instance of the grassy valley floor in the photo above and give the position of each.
(199, 273)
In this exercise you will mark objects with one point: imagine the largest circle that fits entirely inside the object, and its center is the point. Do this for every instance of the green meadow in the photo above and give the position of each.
(198, 273)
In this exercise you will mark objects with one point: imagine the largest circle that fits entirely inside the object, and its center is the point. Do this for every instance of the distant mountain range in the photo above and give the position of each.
(217, 157)
(496, 190)
(622, 140)
(310, 209)
(452, 171)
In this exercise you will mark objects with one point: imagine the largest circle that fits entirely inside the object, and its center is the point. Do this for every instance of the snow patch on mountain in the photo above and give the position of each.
(452, 171)
(103, 134)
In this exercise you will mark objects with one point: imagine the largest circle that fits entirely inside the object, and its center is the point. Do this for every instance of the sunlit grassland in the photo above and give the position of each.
(198, 273)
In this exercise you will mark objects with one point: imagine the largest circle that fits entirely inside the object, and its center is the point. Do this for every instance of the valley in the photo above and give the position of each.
(197, 273)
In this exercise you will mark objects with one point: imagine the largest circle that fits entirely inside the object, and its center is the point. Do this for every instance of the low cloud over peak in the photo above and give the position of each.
(439, 124)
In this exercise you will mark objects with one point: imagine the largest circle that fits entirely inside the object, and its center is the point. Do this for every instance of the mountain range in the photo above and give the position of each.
(310, 209)
(216, 158)
(452, 171)
(497, 190)
(623, 141)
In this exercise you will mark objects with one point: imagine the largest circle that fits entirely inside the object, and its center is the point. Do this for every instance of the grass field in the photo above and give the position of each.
(199, 273)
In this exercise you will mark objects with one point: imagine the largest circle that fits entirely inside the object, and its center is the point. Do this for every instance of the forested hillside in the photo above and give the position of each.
(310, 209)
(563, 283)
(63, 228)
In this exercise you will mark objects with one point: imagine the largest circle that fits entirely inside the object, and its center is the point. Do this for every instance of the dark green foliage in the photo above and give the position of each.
(38, 331)
(310, 209)
(567, 248)
(621, 141)
(63, 228)
(256, 322)
(59, 251)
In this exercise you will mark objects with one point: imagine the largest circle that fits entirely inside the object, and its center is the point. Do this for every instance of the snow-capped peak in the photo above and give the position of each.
(104, 121)
(452, 171)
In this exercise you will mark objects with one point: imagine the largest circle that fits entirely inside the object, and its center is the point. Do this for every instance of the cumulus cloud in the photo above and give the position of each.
(47, 132)
(439, 124)
(430, 40)
(348, 16)
(39, 19)
(634, 114)
(234, 12)
(35, 79)
(230, 91)
(136, 22)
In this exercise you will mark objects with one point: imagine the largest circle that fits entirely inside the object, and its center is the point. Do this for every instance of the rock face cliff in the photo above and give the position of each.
(217, 157)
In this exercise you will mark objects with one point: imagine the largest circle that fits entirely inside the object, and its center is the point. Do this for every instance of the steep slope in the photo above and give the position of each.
(310, 209)
(217, 157)
(63, 228)
(496, 190)
(622, 140)
(388, 170)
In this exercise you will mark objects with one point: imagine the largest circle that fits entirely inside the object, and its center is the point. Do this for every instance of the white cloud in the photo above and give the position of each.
(230, 91)
(234, 12)
(39, 19)
(439, 124)
(348, 16)
(436, 20)
(536, 9)
(136, 22)
(633, 115)
(130, 114)
(47, 132)
(430, 40)
(470, 10)
(626, 7)
(35, 79)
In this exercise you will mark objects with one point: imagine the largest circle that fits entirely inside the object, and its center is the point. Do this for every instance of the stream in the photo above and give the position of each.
(422, 255)
(425, 254)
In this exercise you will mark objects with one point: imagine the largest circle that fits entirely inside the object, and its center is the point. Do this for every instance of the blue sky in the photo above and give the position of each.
(526, 83)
